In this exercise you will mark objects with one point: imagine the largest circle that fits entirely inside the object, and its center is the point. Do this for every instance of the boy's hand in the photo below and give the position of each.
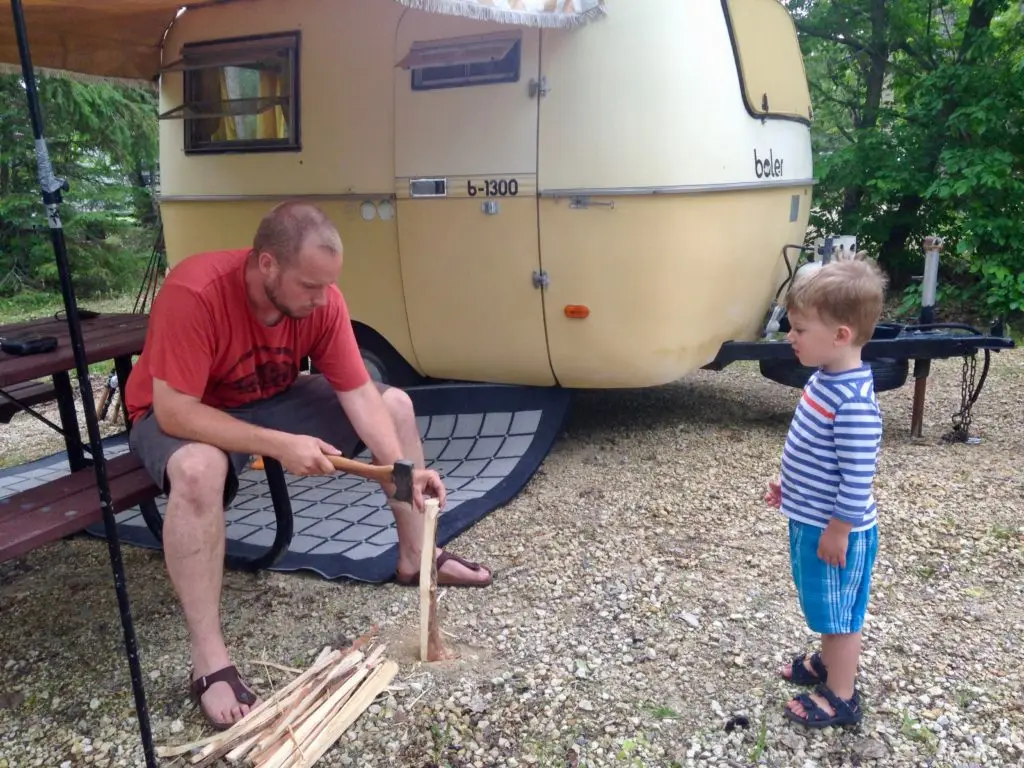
(774, 495)
(833, 542)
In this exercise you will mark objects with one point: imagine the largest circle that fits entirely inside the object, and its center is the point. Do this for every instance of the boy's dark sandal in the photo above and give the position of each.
(799, 675)
(847, 711)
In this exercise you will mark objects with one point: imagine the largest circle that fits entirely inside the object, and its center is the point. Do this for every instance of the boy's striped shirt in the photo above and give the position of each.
(828, 463)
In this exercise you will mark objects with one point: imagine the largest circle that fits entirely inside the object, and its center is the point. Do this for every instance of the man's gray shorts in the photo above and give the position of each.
(309, 407)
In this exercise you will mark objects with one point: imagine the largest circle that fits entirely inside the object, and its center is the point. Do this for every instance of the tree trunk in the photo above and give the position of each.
(878, 62)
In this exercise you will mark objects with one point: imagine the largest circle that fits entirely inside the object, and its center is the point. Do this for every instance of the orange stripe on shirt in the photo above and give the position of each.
(818, 407)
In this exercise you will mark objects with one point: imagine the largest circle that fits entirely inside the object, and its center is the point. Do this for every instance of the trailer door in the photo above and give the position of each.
(466, 180)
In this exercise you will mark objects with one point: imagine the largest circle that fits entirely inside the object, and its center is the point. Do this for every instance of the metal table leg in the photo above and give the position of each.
(69, 421)
(150, 511)
(285, 524)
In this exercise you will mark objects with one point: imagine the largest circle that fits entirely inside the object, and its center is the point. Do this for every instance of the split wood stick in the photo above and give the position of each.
(238, 734)
(265, 712)
(315, 721)
(379, 679)
(431, 648)
(310, 695)
(280, 756)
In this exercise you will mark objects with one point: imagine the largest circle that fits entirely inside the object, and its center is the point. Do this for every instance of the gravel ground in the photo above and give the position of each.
(642, 605)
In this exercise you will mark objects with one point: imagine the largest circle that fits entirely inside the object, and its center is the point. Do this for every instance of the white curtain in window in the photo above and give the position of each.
(533, 13)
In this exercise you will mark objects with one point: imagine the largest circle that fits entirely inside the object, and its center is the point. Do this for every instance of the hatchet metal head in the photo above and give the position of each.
(401, 476)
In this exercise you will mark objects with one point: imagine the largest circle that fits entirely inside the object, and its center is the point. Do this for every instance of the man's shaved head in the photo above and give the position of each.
(292, 225)
(298, 253)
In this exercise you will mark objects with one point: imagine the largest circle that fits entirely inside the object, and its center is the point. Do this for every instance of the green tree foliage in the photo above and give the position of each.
(102, 139)
(919, 129)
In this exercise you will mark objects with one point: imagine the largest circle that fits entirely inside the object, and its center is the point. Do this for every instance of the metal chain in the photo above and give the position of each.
(962, 418)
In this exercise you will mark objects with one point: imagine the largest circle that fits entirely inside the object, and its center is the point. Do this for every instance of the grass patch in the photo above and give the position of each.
(762, 741)
(32, 305)
(661, 712)
(912, 730)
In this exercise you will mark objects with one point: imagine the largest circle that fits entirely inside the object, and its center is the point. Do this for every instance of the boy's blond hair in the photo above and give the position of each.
(849, 293)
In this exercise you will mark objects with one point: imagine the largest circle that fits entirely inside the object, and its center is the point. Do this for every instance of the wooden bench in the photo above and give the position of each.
(47, 513)
(30, 393)
(44, 514)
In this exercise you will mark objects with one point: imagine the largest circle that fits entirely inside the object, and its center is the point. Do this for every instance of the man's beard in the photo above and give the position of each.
(271, 289)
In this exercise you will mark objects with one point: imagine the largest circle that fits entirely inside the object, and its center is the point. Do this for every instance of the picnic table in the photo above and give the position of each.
(67, 505)
(47, 512)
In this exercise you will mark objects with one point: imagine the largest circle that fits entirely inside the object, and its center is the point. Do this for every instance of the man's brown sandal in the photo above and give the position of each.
(228, 675)
(444, 579)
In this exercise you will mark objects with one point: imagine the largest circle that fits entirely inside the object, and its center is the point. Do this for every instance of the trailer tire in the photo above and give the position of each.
(889, 373)
(383, 361)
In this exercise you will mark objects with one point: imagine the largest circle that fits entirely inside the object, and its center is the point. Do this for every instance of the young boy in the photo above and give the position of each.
(825, 483)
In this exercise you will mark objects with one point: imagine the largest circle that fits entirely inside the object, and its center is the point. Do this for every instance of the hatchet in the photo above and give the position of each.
(399, 473)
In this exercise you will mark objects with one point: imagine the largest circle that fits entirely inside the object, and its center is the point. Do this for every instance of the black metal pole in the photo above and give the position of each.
(51, 188)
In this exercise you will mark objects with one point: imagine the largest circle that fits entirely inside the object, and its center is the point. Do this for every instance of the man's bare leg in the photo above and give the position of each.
(193, 538)
(408, 521)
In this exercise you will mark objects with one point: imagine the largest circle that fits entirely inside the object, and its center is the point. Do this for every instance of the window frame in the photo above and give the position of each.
(765, 113)
(233, 54)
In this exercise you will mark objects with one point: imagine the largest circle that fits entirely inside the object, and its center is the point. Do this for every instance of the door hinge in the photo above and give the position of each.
(539, 87)
(541, 279)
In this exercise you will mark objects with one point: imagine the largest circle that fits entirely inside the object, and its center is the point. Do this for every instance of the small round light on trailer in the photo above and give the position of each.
(367, 210)
(577, 311)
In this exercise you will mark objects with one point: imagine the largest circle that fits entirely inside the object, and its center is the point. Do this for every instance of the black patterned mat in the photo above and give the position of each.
(486, 441)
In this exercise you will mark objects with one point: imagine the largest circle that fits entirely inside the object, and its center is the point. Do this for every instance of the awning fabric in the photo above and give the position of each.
(121, 38)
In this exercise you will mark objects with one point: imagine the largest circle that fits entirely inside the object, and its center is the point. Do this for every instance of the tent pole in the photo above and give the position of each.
(51, 188)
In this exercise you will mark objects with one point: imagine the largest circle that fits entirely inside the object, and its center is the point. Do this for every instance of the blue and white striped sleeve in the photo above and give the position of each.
(858, 432)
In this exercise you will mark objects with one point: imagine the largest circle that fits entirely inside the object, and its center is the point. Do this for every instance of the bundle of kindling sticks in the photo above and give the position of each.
(299, 723)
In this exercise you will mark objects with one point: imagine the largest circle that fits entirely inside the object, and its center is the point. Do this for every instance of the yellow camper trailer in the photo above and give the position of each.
(600, 206)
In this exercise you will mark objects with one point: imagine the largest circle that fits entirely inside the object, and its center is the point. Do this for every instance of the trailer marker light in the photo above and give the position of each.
(577, 311)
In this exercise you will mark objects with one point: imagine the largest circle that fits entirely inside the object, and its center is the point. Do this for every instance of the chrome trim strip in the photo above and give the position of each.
(254, 198)
(678, 190)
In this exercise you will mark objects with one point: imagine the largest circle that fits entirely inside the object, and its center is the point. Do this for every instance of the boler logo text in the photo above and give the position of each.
(769, 167)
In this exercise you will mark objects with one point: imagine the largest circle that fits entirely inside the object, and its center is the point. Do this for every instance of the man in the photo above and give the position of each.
(218, 381)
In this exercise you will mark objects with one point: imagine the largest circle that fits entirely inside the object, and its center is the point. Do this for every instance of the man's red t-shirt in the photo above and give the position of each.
(205, 340)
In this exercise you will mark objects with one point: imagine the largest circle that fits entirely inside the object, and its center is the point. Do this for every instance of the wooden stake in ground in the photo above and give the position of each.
(431, 647)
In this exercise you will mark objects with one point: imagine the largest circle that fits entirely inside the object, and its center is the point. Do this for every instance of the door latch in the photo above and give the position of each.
(539, 87)
(541, 279)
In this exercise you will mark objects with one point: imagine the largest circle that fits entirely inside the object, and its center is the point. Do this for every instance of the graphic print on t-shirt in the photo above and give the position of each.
(260, 372)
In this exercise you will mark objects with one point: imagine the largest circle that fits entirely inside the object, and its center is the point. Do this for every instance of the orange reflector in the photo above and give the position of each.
(577, 311)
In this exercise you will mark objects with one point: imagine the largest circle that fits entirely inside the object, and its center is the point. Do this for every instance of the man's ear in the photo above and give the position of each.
(267, 262)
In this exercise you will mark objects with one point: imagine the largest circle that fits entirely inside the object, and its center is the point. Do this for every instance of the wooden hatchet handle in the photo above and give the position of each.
(381, 474)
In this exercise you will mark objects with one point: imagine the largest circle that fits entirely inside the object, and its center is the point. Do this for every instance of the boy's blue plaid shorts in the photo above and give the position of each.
(834, 600)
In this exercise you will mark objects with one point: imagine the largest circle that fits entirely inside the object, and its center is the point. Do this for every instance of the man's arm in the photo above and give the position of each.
(188, 418)
(372, 421)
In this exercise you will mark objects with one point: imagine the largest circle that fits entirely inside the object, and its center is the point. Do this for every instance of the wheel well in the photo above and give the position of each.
(400, 371)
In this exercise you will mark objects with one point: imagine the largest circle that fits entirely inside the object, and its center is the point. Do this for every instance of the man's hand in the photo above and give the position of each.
(304, 455)
(833, 542)
(426, 482)
(774, 495)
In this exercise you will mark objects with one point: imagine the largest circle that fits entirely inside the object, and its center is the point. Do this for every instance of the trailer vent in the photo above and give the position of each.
(461, 61)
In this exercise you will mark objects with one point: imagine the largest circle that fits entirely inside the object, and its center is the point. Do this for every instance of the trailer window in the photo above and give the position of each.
(240, 95)
(768, 59)
(461, 61)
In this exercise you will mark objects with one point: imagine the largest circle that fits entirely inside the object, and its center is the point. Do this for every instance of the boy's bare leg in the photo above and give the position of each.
(841, 655)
